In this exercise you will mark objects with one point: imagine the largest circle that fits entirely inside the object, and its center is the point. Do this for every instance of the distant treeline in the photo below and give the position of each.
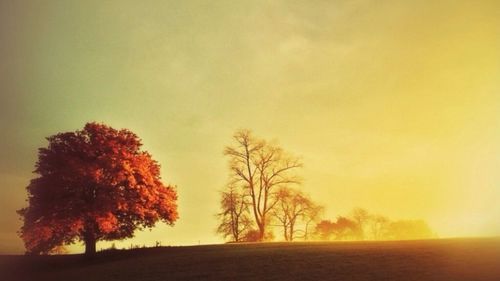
(361, 225)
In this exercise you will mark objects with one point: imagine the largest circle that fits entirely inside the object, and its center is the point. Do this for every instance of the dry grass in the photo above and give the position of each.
(450, 260)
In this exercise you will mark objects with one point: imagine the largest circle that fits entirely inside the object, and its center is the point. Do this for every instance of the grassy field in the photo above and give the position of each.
(447, 259)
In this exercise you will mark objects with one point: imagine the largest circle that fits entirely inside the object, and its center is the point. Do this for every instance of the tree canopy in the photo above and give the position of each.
(94, 184)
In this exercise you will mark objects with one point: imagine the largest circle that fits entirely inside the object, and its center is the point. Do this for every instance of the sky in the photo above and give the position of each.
(392, 106)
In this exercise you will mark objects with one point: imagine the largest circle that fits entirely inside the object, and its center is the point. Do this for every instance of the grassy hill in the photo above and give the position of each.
(447, 259)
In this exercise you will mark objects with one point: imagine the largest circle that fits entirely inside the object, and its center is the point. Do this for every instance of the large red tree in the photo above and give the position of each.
(94, 184)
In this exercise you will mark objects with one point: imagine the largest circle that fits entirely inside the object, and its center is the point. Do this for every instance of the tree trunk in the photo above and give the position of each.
(305, 232)
(262, 232)
(90, 243)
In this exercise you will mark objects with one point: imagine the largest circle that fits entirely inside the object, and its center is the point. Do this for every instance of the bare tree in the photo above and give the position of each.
(234, 218)
(294, 207)
(282, 211)
(312, 215)
(379, 227)
(260, 168)
(362, 218)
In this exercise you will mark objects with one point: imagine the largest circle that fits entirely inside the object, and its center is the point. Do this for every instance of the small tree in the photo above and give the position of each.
(294, 207)
(234, 218)
(409, 229)
(324, 230)
(282, 210)
(312, 215)
(94, 184)
(342, 229)
(346, 229)
(379, 227)
(362, 218)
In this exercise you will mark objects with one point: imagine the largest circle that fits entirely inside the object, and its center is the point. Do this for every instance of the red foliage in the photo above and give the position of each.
(94, 184)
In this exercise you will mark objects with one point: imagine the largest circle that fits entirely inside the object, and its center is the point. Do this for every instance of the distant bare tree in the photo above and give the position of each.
(293, 207)
(260, 168)
(234, 218)
(283, 209)
(379, 227)
(312, 215)
(362, 218)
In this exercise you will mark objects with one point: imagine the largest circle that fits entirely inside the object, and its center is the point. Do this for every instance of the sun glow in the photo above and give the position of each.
(392, 107)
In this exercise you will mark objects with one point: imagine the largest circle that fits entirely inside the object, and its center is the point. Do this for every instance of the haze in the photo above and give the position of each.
(392, 106)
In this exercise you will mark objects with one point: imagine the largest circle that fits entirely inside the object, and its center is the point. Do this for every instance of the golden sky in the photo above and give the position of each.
(392, 105)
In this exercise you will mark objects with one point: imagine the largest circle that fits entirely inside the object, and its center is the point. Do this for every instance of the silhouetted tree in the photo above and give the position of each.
(282, 211)
(260, 168)
(312, 215)
(324, 230)
(346, 229)
(342, 229)
(361, 217)
(93, 184)
(409, 229)
(293, 207)
(234, 218)
(378, 227)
